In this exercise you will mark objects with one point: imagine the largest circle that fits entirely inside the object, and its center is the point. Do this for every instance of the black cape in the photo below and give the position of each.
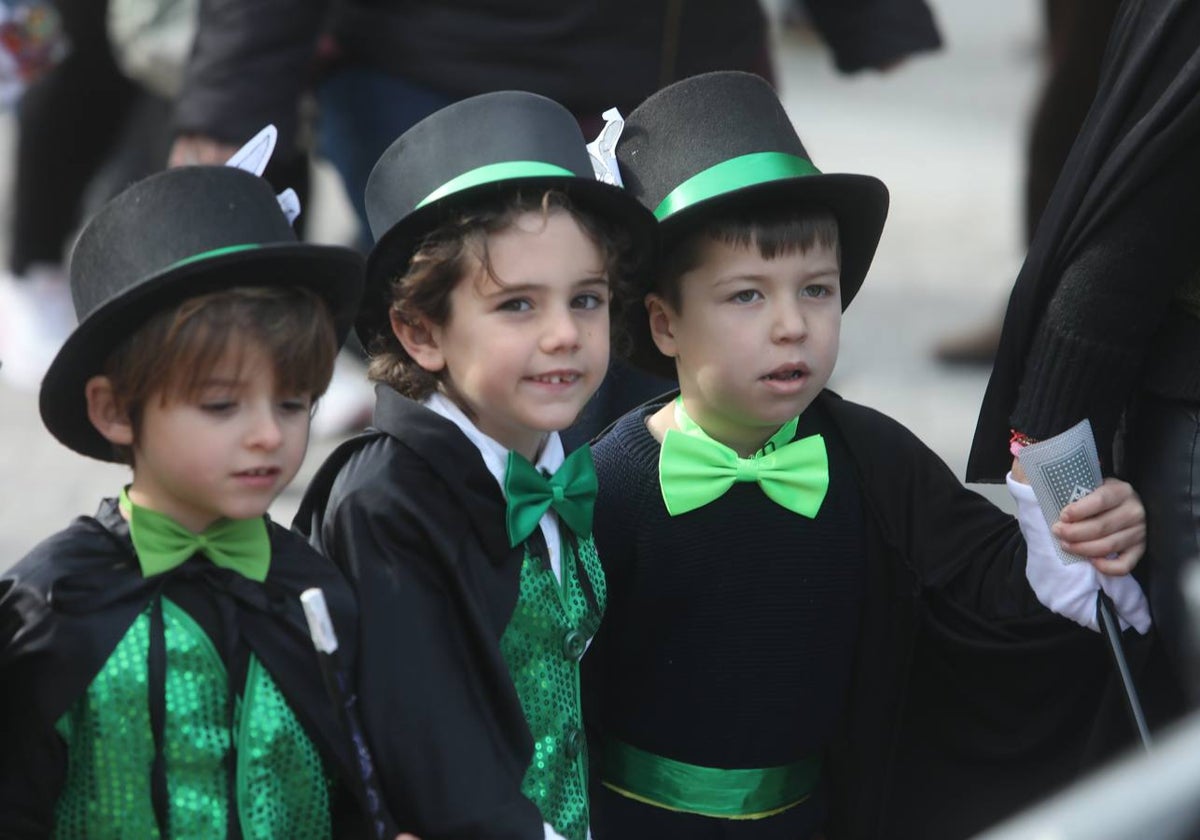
(1117, 237)
(968, 698)
(410, 512)
(66, 605)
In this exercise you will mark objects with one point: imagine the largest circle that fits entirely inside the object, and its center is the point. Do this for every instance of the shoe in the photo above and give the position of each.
(347, 404)
(977, 347)
(36, 316)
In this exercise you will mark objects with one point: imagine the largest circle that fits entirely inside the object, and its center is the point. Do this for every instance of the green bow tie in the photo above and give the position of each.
(694, 469)
(571, 492)
(161, 543)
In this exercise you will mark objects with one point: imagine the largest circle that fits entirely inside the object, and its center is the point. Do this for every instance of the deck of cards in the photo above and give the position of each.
(1061, 470)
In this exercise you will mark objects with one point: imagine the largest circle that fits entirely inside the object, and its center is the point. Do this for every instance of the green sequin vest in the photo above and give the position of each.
(282, 788)
(542, 646)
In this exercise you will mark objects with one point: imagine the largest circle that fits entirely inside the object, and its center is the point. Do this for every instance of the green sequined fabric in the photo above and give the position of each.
(542, 647)
(110, 747)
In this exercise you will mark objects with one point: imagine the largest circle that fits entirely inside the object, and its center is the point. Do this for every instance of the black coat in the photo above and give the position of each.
(1093, 315)
(66, 605)
(414, 518)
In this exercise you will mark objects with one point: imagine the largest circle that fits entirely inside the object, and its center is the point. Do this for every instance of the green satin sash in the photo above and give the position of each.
(741, 794)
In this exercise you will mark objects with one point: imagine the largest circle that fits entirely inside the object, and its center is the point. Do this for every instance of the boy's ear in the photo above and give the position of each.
(110, 418)
(421, 341)
(662, 324)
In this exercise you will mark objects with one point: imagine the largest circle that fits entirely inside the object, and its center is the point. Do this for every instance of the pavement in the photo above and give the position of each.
(944, 131)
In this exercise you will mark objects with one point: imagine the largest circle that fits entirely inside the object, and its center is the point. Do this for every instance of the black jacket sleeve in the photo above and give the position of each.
(442, 718)
(250, 63)
(874, 34)
(33, 760)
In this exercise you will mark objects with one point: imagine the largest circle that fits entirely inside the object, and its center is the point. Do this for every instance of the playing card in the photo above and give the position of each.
(1061, 470)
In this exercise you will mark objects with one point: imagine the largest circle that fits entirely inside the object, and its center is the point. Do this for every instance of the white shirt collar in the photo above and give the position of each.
(495, 454)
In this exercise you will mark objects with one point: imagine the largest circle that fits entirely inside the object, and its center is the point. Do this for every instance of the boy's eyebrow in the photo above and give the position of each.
(600, 279)
(744, 276)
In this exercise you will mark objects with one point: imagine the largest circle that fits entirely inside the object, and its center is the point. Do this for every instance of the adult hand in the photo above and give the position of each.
(199, 150)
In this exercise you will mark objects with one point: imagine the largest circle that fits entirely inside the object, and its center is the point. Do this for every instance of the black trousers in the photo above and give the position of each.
(1162, 461)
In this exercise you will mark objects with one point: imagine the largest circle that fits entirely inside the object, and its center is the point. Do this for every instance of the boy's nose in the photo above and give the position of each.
(265, 431)
(561, 332)
(789, 323)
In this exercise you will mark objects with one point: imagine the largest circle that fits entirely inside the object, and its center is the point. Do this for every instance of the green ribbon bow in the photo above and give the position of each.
(162, 544)
(571, 492)
(694, 469)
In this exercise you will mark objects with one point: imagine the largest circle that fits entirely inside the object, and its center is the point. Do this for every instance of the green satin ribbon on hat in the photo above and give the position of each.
(731, 175)
(493, 172)
(162, 544)
(694, 469)
(571, 492)
(738, 794)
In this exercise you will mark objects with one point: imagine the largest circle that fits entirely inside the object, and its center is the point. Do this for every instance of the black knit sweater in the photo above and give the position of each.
(730, 630)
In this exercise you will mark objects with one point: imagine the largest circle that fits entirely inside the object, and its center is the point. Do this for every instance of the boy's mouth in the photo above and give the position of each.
(258, 472)
(565, 377)
(786, 373)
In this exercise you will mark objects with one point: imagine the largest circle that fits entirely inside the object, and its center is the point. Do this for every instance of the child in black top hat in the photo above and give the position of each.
(466, 532)
(770, 652)
(156, 675)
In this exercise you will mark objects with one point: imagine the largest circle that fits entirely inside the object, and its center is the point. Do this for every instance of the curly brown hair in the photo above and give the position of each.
(447, 255)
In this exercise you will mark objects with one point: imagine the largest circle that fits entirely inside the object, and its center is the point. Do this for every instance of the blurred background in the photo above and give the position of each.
(945, 130)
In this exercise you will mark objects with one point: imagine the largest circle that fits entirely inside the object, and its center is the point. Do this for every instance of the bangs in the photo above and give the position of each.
(779, 233)
(295, 333)
(176, 352)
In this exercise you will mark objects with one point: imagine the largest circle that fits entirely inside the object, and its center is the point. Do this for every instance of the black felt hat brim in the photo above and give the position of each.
(395, 248)
(858, 202)
(333, 273)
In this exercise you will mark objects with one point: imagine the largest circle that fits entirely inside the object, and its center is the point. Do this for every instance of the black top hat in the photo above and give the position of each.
(175, 235)
(473, 150)
(722, 142)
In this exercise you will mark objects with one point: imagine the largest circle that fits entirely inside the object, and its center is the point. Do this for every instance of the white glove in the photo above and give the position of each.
(1069, 589)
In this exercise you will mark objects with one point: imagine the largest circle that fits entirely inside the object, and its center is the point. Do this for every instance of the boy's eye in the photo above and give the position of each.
(817, 290)
(746, 296)
(515, 305)
(295, 405)
(589, 300)
(218, 406)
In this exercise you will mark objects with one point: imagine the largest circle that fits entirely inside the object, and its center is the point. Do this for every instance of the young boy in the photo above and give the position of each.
(463, 525)
(780, 561)
(156, 675)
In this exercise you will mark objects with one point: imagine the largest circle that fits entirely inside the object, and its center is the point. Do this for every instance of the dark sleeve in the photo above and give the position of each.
(249, 65)
(959, 547)
(428, 680)
(1089, 352)
(874, 34)
(1005, 701)
(33, 758)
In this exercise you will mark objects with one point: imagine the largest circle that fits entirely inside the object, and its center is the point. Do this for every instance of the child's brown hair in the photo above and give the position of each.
(447, 255)
(773, 231)
(175, 351)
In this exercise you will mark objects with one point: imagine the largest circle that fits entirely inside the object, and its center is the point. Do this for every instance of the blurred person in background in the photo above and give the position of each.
(1104, 318)
(85, 129)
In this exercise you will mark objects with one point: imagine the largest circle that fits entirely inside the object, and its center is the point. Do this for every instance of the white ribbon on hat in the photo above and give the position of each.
(253, 158)
(603, 150)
